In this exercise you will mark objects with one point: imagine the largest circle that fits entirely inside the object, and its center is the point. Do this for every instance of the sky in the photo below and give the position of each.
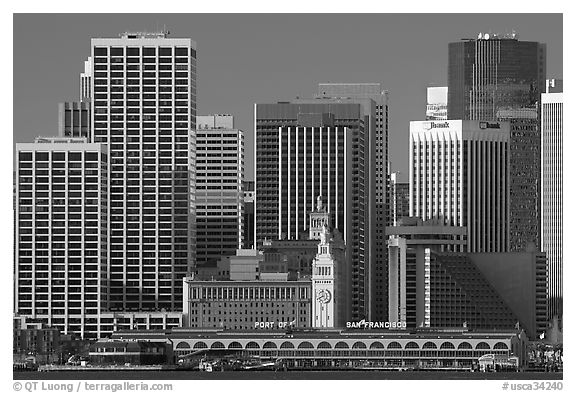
(262, 58)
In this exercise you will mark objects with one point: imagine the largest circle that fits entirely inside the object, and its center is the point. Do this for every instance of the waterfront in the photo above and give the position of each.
(288, 375)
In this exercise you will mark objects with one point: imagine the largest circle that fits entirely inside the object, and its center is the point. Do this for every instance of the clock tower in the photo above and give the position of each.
(327, 301)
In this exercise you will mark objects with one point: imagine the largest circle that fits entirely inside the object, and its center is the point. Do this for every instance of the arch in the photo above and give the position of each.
(269, 345)
(464, 345)
(501, 345)
(183, 345)
(252, 345)
(429, 345)
(200, 345)
(359, 345)
(412, 345)
(286, 345)
(324, 345)
(234, 345)
(341, 345)
(217, 345)
(447, 345)
(394, 345)
(377, 345)
(482, 345)
(305, 345)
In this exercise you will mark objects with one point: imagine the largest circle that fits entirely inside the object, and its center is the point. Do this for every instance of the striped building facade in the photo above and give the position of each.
(552, 199)
(459, 174)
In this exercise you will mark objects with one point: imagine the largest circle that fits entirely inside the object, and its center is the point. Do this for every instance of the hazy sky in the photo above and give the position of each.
(249, 58)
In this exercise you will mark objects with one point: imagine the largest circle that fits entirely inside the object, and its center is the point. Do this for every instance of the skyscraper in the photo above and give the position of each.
(552, 176)
(74, 119)
(144, 111)
(61, 233)
(249, 219)
(459, 174)
(377, 271)
(86, 81)
(500, 78)
(399, 197)
(437, 103)
(219, 196)
(307, 148)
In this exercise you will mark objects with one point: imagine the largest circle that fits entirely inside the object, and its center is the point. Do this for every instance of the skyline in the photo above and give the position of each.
(267, 72)
(237, 70)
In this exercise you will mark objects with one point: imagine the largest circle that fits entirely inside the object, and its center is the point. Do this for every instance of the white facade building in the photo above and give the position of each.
(86, 81)
(61, 242)
(552, 177)
(459, 174)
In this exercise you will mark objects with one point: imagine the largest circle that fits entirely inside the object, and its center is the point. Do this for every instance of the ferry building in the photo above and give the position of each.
(332, 348)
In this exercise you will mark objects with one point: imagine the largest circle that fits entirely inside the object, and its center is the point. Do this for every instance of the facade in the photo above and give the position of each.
(144, 111)
(520, 279)
(245, 265)
(86, 81)
(377, 270)
(432, 348)
(552, 199)
(41, 342)
(219, 195)
(399, 198)
(242, 305)
(492, 73)
(500, 78)
(317, 147)
(74, 120)
(459, 174)
(110, 351)
(409, 274)
(437, 103)
(433, 286)
(295, 256)
(249, 219)
(61, 234)
(524, 177)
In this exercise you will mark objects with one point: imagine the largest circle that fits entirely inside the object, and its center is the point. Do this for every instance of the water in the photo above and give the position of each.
(287, 375)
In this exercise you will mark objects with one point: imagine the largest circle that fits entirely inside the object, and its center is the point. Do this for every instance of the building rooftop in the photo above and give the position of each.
(145, 34)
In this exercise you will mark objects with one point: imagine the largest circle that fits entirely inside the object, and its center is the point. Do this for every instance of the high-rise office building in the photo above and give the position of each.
(144, 111)
(61, 233)
(500, 78)
(377, 271)
(459, 174)
(552, 177)
(399, 197)
(409, 273)
(520, 279)
(437, 103)
(219, 195)
(249, 219)
(74, 119)
(86, 81)
(307, 148)
(432, 287)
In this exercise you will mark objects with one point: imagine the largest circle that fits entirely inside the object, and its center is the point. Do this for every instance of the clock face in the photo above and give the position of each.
(323, 296)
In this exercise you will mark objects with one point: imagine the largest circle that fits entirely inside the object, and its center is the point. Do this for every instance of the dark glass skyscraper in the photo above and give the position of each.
(501, 78)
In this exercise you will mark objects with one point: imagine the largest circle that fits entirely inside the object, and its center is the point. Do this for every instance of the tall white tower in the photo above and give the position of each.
(327, 275)
(551, 183)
